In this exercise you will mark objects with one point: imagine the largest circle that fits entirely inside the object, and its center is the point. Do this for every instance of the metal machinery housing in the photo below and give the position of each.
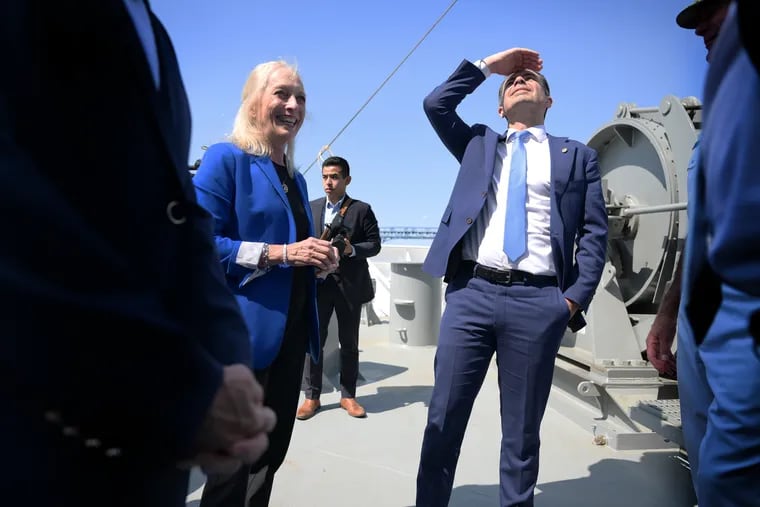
(601, 378)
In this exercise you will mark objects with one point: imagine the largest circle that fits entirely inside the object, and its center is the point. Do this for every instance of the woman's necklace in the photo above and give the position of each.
(282, 174)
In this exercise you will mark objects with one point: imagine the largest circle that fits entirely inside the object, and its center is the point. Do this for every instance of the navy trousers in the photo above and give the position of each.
(524, 326)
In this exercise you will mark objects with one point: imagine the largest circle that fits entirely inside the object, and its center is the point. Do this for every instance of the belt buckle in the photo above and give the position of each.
(507, 277)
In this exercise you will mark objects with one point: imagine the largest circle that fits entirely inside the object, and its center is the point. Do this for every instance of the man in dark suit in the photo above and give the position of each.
(522, 245)
(353, 223)
(122, 350)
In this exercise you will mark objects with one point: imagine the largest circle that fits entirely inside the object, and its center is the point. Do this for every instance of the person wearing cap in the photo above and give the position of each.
(705, 17)
(719, 319)
(522, 245)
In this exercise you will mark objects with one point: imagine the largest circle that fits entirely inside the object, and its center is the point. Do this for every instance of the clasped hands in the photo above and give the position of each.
(318, 253)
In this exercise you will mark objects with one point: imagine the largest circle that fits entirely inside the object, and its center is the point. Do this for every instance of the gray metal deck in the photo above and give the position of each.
(337, 461)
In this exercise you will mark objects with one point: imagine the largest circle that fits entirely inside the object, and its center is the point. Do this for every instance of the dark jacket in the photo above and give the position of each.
(353, 273)
(115, 319)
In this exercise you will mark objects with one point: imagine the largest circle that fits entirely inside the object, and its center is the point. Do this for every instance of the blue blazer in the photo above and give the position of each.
(578, 214)
(244, 195)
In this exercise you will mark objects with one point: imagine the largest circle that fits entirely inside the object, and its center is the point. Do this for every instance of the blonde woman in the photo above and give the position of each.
(263, 227)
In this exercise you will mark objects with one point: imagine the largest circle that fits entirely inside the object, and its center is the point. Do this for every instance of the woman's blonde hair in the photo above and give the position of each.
(245, 134)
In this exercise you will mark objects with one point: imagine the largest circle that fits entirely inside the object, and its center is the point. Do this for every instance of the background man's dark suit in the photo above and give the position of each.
(345, 291)
(115, 319)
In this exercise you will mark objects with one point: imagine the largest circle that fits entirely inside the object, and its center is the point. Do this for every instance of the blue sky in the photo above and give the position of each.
(597, 54)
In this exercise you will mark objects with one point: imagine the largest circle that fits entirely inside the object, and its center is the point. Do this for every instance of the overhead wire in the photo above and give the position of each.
(328, 145)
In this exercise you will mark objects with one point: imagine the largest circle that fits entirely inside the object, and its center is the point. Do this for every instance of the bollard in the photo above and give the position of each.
(415, 315)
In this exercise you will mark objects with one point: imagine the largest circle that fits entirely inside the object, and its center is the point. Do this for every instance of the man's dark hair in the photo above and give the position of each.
(341, 162)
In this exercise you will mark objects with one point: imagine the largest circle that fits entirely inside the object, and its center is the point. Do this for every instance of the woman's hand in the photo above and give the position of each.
(321, 273)
(309, 252)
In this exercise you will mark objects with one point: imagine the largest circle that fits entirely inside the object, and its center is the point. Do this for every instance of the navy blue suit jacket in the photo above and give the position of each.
(578, 217)
(115, 316)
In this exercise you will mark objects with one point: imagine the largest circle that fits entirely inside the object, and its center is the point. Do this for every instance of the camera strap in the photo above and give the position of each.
(346, 203)
(337, 221)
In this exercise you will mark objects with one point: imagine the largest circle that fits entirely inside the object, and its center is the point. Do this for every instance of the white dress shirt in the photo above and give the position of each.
(484, 242)
(331, 210)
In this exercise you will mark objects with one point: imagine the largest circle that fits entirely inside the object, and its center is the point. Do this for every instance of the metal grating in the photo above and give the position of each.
(667, 410)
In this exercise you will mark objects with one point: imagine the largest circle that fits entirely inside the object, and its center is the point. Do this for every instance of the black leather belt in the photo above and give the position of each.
(507, 276)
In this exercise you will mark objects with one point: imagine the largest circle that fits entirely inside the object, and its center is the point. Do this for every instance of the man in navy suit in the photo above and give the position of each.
(122, 351)
(522, 245)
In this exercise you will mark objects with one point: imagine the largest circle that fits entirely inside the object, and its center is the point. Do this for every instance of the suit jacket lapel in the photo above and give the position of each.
(562, 158)
(117, 19)
(319, 218)
(266, 166)
(169, 106)
(490, 139)
(301, 184)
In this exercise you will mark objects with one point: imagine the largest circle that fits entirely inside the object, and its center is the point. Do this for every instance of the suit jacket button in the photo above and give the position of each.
(174, 212)
(53, 417)
(92, 443)
(469, 221)
(70, 431)
(112, 452)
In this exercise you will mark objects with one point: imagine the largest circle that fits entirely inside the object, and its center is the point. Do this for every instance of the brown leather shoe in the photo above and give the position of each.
(353, 408)
(307, 409)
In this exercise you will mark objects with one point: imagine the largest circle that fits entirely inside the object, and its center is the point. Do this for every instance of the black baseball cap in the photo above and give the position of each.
(691, 16)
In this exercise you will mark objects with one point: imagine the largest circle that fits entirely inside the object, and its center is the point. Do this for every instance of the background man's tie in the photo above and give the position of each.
(515, 226)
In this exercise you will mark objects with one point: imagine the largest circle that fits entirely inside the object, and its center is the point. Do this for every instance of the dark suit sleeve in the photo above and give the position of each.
(102, 294)
(591, 242)
(369, 246)
(440, 107)
(83, 340)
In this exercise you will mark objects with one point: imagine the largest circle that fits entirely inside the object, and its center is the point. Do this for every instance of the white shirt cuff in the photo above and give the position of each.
(481, 64)
(248, 256)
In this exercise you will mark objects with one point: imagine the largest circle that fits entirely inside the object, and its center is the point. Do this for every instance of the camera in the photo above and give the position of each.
(337, 233)
(339, 242)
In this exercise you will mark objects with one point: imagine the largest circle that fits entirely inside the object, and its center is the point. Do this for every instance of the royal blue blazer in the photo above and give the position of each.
(244, 195)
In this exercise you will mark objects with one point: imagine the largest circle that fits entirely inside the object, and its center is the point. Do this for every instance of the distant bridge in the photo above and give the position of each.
(388, 233)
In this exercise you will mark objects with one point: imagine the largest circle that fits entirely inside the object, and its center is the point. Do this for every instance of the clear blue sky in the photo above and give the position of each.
(597, 54)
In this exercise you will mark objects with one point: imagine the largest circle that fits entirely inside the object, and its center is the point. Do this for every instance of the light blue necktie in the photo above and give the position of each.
(515, 226)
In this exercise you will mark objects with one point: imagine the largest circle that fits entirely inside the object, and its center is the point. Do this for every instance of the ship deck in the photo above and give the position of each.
(337, 461)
